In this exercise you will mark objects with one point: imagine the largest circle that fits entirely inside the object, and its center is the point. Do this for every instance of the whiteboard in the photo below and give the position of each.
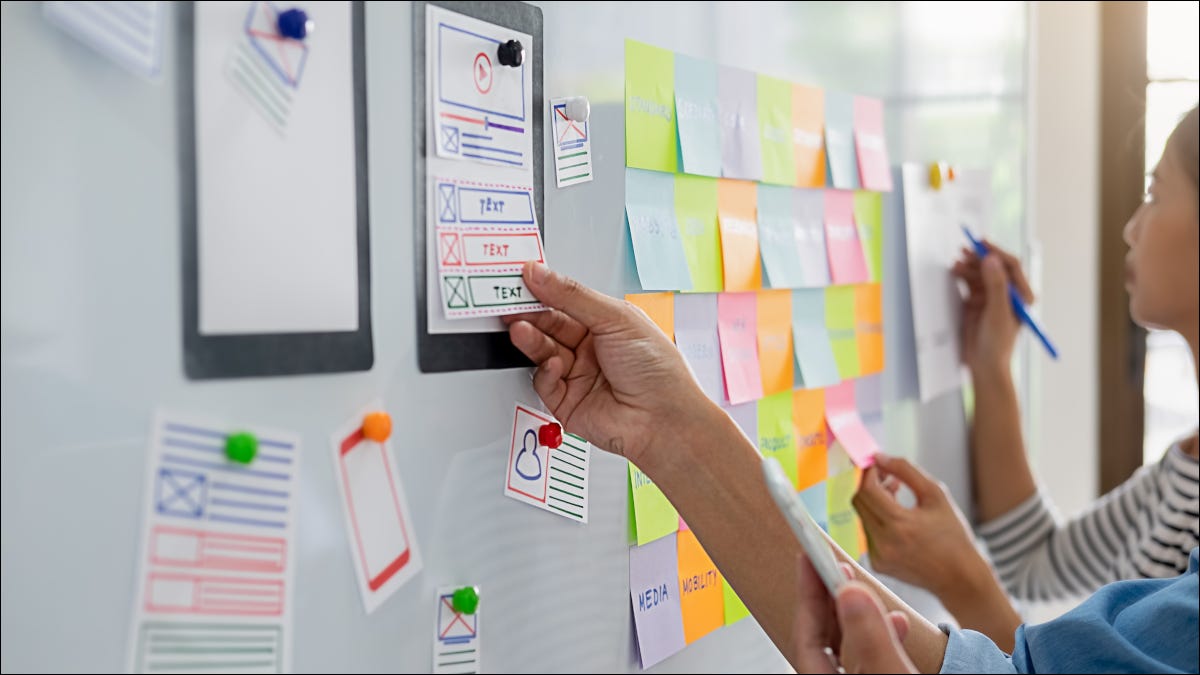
(91, 345)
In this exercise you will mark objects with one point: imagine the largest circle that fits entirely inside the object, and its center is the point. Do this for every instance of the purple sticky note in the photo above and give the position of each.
(737, 327)
(746, 417)
(654, 591)
(696, 337)
(847, 264)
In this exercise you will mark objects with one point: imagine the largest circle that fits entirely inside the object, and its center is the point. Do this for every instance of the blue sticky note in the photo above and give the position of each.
(777, 230)
(809, 212)
(810, 339)
(839, 141)
(657, 245)
(816, 501)
(737, 103)
(696, 114)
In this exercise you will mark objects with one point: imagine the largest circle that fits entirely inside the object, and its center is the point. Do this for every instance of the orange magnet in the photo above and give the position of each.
(377, 426)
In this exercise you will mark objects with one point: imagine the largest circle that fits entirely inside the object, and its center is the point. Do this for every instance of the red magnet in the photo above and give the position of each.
(550, 435)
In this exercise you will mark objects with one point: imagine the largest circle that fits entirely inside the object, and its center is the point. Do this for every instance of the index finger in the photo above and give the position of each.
(875, 498)
(1012, 265)
(565, 330)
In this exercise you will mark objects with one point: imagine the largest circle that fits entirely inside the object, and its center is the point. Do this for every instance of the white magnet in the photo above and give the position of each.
(578, 109)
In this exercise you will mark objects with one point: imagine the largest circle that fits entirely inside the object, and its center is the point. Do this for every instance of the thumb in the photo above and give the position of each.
(923, 486)
(570, 297)
(869, 643)
(995, 285)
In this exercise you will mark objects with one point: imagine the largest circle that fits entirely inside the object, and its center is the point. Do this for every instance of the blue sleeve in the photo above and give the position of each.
(971, 652)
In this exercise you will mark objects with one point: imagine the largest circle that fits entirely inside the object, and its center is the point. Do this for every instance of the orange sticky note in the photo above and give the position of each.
(775, 340)
(812, 456)
(868, 320)
(700, 596)
(808, 126)
(660, 307)
(738, 221)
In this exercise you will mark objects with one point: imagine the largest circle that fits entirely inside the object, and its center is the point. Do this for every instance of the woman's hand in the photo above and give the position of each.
(989, 326)
(604, 369)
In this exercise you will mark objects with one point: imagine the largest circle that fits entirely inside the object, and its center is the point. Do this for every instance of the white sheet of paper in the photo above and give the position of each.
(457, 647)
(129, 33)
(934, 239)
(572, 146)
(482, 111)
(555, 480)
(277, 217)
(217, 562)
(379, 527)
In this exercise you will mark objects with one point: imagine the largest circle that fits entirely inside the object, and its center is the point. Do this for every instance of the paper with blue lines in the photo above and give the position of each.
(217, 550)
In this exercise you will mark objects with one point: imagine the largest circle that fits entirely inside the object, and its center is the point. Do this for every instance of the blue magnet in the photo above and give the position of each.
(294, 24)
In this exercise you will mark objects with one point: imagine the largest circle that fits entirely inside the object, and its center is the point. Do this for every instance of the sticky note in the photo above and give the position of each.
(847, 265)
(843, 521)
(696, 337)
(816, 500)
(868, 397)
(868, 317)
(737, 102)
(697, 113)
(808, 124)
(737, 325)
(840, 304)
(696, 213)
(813, 256)
(839, 141)
(654, 592)
(776, 434)
(775, 340)
(554, 480)
(808, 416)
(456, 639)
(660, 307)
(653, 515)
(775, 130)
(736, 205)
(841, 414)
(870, 145)
(745, 415)
(657, 245)
(701, 599)
(650, 134)
(735, 609)
(868, 215)
(810, 338)
(778, 235)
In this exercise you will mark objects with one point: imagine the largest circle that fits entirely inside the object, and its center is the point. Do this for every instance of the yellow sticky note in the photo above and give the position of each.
(776, 433)
(735, 609)
(808, 415)
(736, 212)
(650, 134)
(700, 596)
(839, 319)
(868, 215)
(868, 315)
(660, 307)
(775, 130)
(843, 521)
(653, 516)
(775, 340)
(808, 132)
(696, 211)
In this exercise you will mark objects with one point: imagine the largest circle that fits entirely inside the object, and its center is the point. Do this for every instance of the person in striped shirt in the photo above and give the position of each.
(1145, 528)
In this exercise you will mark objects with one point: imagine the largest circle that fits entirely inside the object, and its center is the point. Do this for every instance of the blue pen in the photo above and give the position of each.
(1018, 306)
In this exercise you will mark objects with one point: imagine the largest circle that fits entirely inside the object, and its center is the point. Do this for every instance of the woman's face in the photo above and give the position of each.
(1163, 263)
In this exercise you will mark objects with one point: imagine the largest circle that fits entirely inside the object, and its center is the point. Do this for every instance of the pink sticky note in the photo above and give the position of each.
(737, 328)
(847, 264)
(870, 145)
(846, 425)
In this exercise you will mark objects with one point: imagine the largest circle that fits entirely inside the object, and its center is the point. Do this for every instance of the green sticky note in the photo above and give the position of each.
(735, 609)
(650, 135)
(843, 522)
(839, 318)
(776, 433)
(775, 130)
(696, 212)
(653, 516)
(868, 214)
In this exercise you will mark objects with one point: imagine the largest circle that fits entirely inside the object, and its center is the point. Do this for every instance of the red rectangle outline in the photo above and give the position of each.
(512, 446)
(197, 604)
(466, 261)
(211, 562)
(348, 444)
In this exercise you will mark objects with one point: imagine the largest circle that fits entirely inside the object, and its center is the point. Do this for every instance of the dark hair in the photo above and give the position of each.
(1184, 144)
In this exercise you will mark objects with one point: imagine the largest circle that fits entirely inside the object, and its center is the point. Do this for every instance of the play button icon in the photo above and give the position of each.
(483, 73)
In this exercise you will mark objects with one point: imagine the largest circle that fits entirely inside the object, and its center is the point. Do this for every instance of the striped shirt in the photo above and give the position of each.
(1145, 527)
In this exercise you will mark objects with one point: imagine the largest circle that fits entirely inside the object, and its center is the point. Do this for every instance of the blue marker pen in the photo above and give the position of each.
(1018, 306)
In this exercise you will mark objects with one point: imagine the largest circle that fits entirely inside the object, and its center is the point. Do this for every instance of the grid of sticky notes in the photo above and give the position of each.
(754, 209)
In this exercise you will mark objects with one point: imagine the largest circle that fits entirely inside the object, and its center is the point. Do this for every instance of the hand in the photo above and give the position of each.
(989, 326)
(929, 545)
(604, 369)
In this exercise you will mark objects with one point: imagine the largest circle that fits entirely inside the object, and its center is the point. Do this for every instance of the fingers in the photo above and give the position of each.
(1012, 266)
(549, 384)
(590, 308)
(923, 486)
(869, 641)
(537, 345)
(899, 624)
(872, 496)
(565, 330)
(995, 282)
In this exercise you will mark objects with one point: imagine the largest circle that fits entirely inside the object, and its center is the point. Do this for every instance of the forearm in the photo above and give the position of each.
(713, 476)
(1000, 470)
(978, 602)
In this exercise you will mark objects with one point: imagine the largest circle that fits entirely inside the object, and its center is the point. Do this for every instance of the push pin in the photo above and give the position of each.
(950, 174)
(377, 426)
(511, 53)
(295, 24)
(465, 600)
(550, 435)
(241, 447)
(935, 175)
(578, 109)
